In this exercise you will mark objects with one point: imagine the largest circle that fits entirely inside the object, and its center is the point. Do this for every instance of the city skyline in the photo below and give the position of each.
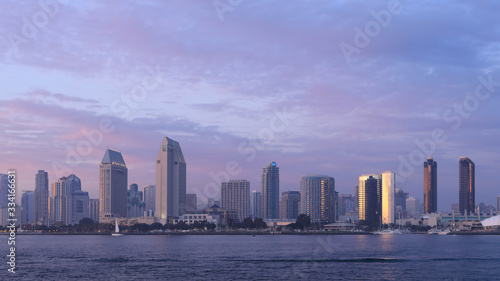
(304, 102)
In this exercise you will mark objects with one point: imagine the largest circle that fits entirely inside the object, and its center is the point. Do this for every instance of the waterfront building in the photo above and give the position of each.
(41, 197)
(235, 195)
(430, 186)
(413, 207)
(388, 197)
(401, 197)
(289, 205)
(254, 204)
(317, 198)
(79, 206)
(191, 203)
(356, 199)
(113, 177)
(4, 190)
(170, 181)
(346, 204)
(192, 218)
(270, 182)
(93, 210)
(28, 207)
(467, 188)
(135, 203)
(149, 199)
(370, 191)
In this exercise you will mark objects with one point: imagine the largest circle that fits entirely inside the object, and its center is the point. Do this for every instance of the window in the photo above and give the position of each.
(164, 148)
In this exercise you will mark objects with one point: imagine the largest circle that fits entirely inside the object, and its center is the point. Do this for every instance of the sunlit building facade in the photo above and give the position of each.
(388, 197)
(369, 194)
(317, 198)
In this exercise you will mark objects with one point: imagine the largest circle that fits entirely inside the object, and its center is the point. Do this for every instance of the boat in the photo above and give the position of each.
(117, 229)
(389, 231)
(444, 232)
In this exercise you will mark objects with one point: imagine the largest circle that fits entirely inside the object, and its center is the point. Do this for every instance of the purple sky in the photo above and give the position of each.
(213, 82)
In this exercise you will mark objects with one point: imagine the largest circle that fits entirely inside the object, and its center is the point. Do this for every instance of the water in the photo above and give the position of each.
(266, 257)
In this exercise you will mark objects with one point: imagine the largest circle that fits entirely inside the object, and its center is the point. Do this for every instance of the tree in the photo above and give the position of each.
(86, 221)
(303, 221)
(155, 226)
(248, 223)
(259, 223)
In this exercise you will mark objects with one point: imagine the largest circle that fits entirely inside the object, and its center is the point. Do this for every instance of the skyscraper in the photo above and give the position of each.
(28, 207)
(270, 182)
(135, 204)
(370, 189)
(413, 207)
(467, 189)
(356, 198)
(235, 195)
(79, 205)
(191, 203)
(170, 181)
(430, 186)
(317, 198)
(94, 210)
(41, 197)
(149, 199)
(289, 205)
(346, 203)
(401, 197)
(388, 197)
(254, 204)
(60, 203)
(4, 190)
(113, 178)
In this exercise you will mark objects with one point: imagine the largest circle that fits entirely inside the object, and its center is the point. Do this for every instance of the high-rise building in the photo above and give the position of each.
(498, 204)
(60, 203)
(317, 198)
(289, 205)
(28, 207)
(170, 181)
(388, 197)
(94, 210)
(254, 204)
(113, 176)
(191, 203)
(270, 182)
(235, 195)
(4, 190)
(346, 203)
(79, 206)
(413, 207)
(430, 186)
(135, 204)
(41, 197)
(401, 197)
(467, 189)
(356, 198)
(149, 199)
(370, 207)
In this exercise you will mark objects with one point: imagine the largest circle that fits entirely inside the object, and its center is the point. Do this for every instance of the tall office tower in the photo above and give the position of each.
(79, 206)
(370, 190)
(113, 178)
(60, 203)
(94, 210)
(401, 197)
(254, 204)
(430, 186)
(73, 183)
(235, 195)
(191, 203)
(270, 182)
(413, 207)
(289, 205)
(356, 198)
(170, 181)
(337, 206)
(150, 199)
(317, 198)
(135, 205)
(28, 207)
(346, 204)
(41, 197)
(467, 188)
(4, 190)
(388, 197)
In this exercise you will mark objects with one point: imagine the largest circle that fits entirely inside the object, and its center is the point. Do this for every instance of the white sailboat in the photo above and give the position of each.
(117, 229)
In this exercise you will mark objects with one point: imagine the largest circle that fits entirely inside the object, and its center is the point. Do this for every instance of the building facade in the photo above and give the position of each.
(370, 190)
(191, 203)
(28, 207)
(467, 188)
(388, 197)
(4, 190)
(170, 181)
(430, 186)
(41, 197)
(270, 182)
(135, 204)
(254, 204)
(289, 205)
(149, 199)
(94, 210)
(317, 198)
(113, 177)
(235, 195)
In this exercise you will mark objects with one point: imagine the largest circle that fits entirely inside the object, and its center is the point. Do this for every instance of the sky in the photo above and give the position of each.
(341, 88)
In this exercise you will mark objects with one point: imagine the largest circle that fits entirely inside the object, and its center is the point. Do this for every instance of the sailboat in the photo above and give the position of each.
(117, 229)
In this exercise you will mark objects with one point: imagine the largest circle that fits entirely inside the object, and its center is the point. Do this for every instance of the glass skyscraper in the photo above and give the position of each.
(467, 187)
(41, 197)
(270, 182)
(113, 178)
(430, 186)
